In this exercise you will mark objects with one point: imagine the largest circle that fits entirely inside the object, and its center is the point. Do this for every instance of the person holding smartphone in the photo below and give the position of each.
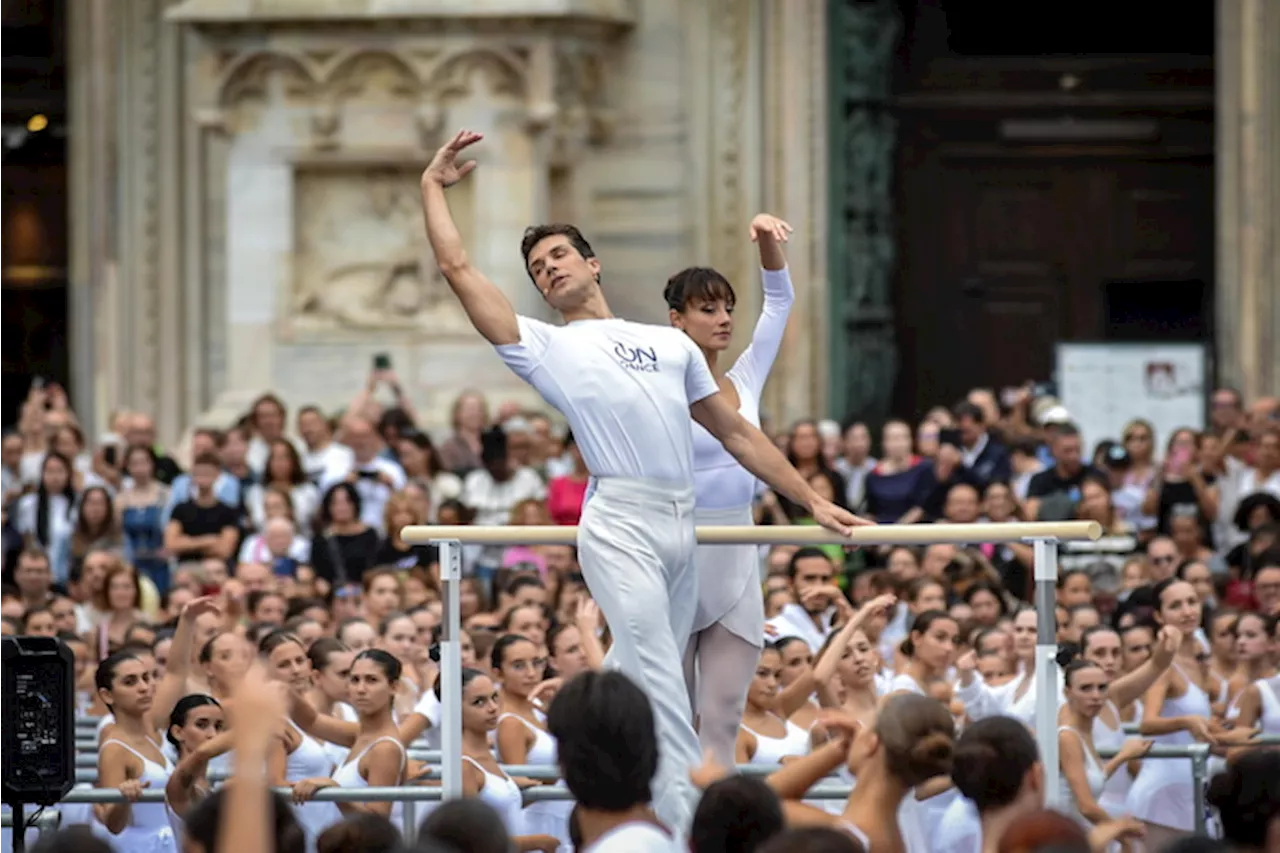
(1183, 487)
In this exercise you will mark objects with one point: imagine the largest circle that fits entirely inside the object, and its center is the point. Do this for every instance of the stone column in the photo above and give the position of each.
(1248, 181)
(794, 62)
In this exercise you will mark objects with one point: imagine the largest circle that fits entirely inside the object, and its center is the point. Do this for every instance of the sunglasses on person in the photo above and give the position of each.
(1160, 561)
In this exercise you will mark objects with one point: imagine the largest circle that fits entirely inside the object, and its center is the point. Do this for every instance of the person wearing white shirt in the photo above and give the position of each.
(627, 391)
(856, 463)
(494, 489)
(323, 459)
(47, 515)
(375, 478)
(268, 417)
(811, 572)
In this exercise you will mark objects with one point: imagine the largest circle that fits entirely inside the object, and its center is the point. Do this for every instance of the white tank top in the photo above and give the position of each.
(347, 775)
(543, 753)
(1269, 693)
(771, 750)
(1193, 703)
(503, 795)
(149, 829)
(308, 761)
(719, 481)
(1116, 788)
(1093, 773)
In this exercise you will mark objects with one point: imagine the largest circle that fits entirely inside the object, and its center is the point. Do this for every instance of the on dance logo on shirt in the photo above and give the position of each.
(642, 359)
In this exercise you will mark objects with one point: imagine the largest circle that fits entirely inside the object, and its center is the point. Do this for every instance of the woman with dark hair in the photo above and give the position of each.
(197, 731)
(343, 546)
(140, 506)
(45, 516)
(1246, 797)
(97, 527)
(376, 758)
(421, 463)
(283, 470)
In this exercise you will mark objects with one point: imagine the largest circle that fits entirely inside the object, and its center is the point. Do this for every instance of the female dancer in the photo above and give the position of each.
(330, 668)
(797, 677)
(482, 777)
(197, 731)
(1221, 628)
(1253, 653)
(131, 759)
(1176, 709)
(522, 736)
(1258, 705)
(307, 758)
(396, 636)
(728, 628)
(1082, 772)
(766, 736)
(376, 758)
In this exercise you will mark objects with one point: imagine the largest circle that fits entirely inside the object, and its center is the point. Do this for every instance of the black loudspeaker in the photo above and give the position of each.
(37, 739)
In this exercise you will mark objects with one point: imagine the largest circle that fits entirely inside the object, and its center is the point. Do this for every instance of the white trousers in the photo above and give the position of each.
(635, 542)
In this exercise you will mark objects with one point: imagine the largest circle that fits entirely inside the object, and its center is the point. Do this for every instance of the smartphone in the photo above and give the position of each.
(368, 475)
(382, 361)
(949, 436)
(109, 455)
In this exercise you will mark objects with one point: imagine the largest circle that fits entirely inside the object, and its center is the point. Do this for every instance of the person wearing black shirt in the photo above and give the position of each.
(203, 526)
(394, 551)
(345, 547)
(1183, 487)
(1053, 493)
(984, 457)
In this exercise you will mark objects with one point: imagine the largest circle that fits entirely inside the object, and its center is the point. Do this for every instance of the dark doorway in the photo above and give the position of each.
(1158, 311)
(34, 181)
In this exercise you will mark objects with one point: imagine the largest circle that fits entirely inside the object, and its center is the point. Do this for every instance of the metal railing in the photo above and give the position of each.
(1044, 538)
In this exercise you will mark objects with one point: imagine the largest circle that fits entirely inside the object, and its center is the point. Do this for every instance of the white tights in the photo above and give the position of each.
(718, 668)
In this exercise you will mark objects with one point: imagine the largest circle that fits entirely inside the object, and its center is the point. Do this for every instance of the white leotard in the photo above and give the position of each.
(1115, 790)
(771, 750)
(347, 775)
(310, 761)
(719, 481)
(1163, 792)
(1093, 773)
(149, 829)
(503, 795)
(1269, 693)
(544, 817)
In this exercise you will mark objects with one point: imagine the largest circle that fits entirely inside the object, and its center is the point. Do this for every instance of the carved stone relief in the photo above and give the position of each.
(360, 262)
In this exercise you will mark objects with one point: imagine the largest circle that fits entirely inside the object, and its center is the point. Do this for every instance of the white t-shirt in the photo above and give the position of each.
(635, 838)
(374, 493)
(624, 387)
(329, 463)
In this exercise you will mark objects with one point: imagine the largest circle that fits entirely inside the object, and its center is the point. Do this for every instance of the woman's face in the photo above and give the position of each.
(796, 661)
(927, 439)
(763, 691)
(1095, 502)
(1134, 574)
(419, 499)
(998, 503)
(66, 443)
(341, 509)
(821, 485)
(1222, 636)
(1184, 530)
(480, 705)
(425, 623)
(229, 660)
(382, 596)
(1180, 607)
(1139, 443)
(708, 323)
(96, 566)
(805, 444)
(523, 668)
(471, 415)
(202, 725)
(132, 690)
(1201, 580)
(1135, 647)
(140, 467)
(467, 650)
(1253, 643)
(896, 439)
(399, 639)
(858, 664)
(986, 607)
(268, 419)
(290, 664)
(527, 622)
(931, 597)
(369, 688)
(359, 636)
(122, 594)
(234, 448)
(775, 601)
(936, 646)
(1086, 692)
(332, 680)
(1024, 634)
(416, 592)
(903, 565)
(275, 505)
(54, 475)
(280, 464)
(412, 458)
(568, 657)
(1104, 650)
(95, 507)
(41, 625)
(1184, 444)
(1077, 589)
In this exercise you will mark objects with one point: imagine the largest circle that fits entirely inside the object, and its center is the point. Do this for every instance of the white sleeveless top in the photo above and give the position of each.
(720, 482)
(149, 829)
(1269, 694)
(543, 753)
(347, 775)
(771, 750)
(503, 796)
(1115, 789)
(1094, 775)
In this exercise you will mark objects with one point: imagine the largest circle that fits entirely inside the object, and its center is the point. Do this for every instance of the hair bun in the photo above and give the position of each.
(932, 755)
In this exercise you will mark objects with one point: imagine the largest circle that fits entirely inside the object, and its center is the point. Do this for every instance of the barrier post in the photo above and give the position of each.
(1199, 779)
(1046, 578)
(450, 669)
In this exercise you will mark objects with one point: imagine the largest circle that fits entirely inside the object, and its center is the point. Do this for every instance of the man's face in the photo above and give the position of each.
(813, 572)
(962, 504)
(559, 559)
(1066, 451)
(11, 451)
(141, 431)
(970, 430)
(1226, 409)
(857, 442)
(203, 475)
(1162, 554)
(362, 439)
(561, 274)
(32, 575)
(311, 427)
(254, 576)
(1266, 588)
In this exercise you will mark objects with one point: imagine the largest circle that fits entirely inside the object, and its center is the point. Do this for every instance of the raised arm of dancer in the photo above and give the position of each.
(246, 823)
(179, 790)
(174, 684)
(322, 726)
(486, 305)
(587, 618)
(753, 366)
(754, 451)
(1130, 686)
(825, 667)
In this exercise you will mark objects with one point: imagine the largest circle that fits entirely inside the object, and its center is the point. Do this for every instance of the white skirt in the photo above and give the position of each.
(729, 580)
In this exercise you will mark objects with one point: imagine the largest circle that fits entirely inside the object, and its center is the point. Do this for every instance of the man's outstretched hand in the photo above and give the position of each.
(837, 518)
(444, 168)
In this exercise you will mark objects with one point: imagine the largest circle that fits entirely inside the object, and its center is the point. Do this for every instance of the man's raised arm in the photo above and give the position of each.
(486, 305)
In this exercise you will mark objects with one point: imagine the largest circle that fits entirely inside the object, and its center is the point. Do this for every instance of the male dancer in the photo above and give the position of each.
(627, 390)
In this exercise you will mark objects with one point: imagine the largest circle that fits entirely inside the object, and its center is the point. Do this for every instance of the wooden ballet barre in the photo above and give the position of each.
(882, 534)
